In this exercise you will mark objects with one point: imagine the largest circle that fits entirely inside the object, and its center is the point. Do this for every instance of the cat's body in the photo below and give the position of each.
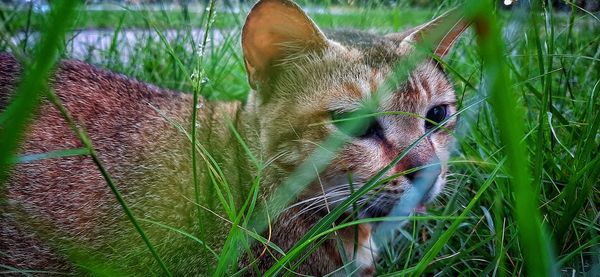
(52, 207)
(134, 128)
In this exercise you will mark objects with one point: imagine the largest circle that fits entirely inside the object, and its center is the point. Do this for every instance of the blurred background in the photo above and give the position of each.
(128, 36)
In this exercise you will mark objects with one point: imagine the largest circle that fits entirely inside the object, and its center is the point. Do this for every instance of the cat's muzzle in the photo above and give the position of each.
(422, 189)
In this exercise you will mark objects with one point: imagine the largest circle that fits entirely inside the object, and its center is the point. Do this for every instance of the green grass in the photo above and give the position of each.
(523, 194)
(173, 19)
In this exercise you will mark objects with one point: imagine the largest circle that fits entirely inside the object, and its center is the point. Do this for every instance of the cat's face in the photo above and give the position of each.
(312, 83)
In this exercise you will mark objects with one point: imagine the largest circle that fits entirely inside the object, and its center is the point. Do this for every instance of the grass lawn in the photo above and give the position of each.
(527, 159)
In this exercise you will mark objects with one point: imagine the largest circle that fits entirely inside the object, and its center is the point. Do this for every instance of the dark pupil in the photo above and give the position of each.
(437, 114)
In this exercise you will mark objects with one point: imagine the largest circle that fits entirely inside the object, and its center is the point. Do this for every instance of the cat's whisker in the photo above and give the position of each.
(316, 208)
(333, 195)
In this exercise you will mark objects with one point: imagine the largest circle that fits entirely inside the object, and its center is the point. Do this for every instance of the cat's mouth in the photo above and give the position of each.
(400, 205)
(399, 198)
(383, 209)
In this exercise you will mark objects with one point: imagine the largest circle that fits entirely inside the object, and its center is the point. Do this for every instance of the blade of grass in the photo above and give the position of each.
(87, 142)
(34, 80)
(52, 155)
(545, 84)
(588, 165)
(437, 247)
(198, 87)
(534, 240)
(183, 233)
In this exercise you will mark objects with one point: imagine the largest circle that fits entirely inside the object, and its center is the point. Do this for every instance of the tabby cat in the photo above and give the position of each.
(58, 214)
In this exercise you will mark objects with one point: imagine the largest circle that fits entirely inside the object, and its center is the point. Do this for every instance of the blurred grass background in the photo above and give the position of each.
(549, 58)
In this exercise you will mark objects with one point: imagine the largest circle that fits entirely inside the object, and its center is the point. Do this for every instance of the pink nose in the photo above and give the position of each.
(422, 167)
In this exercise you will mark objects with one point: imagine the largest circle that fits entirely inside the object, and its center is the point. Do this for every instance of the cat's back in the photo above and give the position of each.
(140, 134)
(124, 118)
(86, 89)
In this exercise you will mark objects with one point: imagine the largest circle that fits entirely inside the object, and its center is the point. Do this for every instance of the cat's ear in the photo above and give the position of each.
(276, 30)
(439, 34)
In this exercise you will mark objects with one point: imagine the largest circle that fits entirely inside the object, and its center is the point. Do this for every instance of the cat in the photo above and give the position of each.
(58, 214)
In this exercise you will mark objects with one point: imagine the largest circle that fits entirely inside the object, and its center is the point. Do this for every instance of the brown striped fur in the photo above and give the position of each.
(58, 208)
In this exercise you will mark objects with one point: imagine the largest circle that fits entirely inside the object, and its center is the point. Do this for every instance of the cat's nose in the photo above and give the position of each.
(420, 163)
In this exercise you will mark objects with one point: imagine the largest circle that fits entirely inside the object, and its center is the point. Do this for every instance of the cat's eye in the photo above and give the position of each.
(357, 124)
(435, 116)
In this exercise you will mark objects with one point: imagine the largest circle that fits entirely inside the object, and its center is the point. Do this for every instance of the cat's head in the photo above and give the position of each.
(305, 80)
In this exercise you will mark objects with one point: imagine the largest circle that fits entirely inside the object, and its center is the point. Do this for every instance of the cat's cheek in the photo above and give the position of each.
(443, 144)
(362, 156)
